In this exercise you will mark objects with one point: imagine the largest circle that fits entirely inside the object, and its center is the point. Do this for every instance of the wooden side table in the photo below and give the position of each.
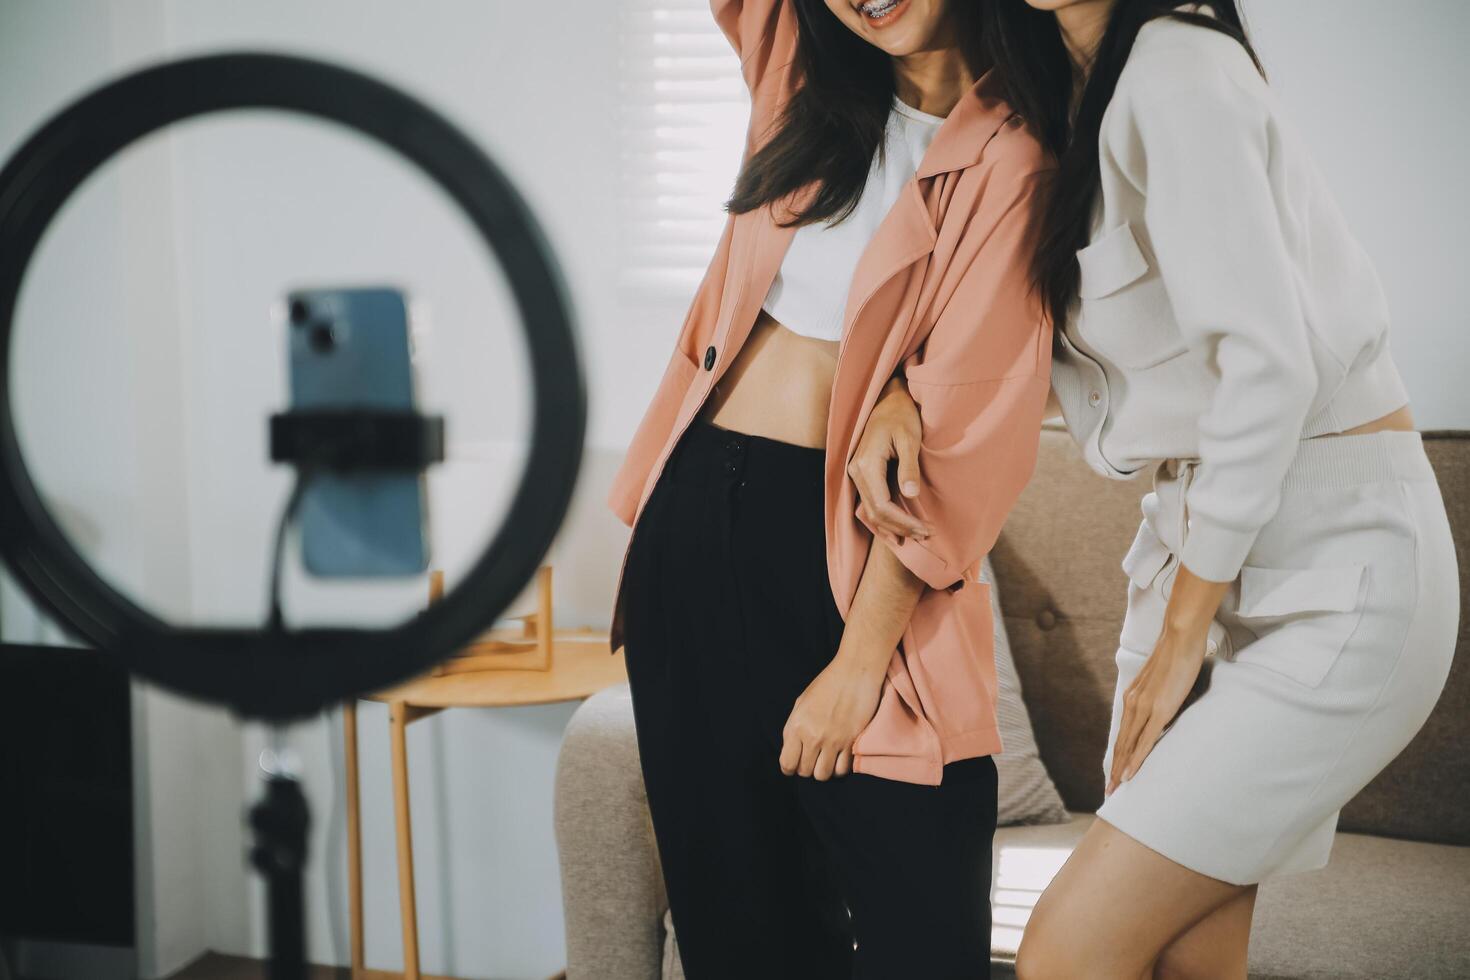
(581, 667)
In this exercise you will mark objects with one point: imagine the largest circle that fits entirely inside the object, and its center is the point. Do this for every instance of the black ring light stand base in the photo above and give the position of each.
(280, 821)
(275, 673)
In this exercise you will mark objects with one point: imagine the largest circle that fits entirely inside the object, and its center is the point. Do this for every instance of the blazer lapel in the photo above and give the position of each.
(873, 345)
(905, 236)
(909, 232)
(960, 141)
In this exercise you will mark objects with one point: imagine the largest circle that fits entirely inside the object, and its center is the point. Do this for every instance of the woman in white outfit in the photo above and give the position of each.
(1293, 598)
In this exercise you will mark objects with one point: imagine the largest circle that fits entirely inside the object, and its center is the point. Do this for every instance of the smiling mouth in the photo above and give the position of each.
(877, 9)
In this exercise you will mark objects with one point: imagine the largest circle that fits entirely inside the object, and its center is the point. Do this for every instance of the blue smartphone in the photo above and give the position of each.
(349, 348)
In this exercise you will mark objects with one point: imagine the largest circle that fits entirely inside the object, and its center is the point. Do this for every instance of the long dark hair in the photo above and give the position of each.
(834, 121)
(1038, 76)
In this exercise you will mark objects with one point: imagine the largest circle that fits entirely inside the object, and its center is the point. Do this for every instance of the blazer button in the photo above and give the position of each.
(709, 358)
(1046, 619)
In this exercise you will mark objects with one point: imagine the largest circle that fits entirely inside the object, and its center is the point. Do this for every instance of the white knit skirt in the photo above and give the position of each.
(1327, 655)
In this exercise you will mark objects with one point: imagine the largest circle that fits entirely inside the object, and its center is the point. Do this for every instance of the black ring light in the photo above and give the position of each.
(282, 675)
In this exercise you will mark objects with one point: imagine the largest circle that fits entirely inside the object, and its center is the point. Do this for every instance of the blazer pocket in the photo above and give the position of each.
(1124, 311)
(1298, 619)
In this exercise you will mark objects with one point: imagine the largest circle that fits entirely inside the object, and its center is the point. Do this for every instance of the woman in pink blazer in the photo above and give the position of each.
(815, 705)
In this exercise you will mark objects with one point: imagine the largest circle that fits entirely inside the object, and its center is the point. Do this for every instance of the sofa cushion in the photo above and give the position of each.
(1025, 793)
(612, 887)
(1065, 593)
(1382, 908)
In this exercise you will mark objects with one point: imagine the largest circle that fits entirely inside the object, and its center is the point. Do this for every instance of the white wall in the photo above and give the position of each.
(100, 395)
(1378, 91)
(147, 358)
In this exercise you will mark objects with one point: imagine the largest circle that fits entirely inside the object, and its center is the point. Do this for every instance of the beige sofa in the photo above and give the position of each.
(1395, 901)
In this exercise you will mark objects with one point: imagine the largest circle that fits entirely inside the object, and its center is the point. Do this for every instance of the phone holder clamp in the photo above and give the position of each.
(356, 439)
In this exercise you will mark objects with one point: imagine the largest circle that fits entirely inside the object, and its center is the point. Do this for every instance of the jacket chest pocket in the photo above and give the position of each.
(1124, 312)
(1298, 620)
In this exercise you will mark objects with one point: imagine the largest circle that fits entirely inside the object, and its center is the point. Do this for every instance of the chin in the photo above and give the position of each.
(903, 27)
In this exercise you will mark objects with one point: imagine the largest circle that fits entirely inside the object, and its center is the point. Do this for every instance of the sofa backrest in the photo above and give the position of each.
(1063, 596)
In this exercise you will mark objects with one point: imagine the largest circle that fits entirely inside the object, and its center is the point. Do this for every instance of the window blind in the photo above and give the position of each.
(684, 110)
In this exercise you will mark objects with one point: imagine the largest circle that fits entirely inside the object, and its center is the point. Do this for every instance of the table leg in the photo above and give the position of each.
(354, 835)
(398, 730)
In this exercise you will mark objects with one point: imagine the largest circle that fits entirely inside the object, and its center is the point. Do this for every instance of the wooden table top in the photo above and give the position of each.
(581, 665)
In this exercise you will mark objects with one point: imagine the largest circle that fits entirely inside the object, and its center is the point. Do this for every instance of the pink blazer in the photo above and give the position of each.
(941, 291)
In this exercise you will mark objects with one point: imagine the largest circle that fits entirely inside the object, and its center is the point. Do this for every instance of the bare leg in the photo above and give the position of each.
(1113, 909)
(1213, 948)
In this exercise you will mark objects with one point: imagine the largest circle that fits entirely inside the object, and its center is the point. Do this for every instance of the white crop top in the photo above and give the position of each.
(809, 294)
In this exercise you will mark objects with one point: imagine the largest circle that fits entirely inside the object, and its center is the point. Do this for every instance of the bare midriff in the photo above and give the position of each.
(779, 386)
(1400, 418)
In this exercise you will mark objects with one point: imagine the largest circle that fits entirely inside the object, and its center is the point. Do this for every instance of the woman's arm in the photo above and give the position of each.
(763, 34)
(1215, 227)
(890, 441)
(841, 700)
(1159, 690)
(892, 435)
(986, 370)
(970, 450)
(751, 28)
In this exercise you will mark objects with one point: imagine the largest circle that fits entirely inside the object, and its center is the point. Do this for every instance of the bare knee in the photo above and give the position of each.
(1176, 963)
(1173, 966)
(1053, 948)
(1045, 954)
(1032, 962)
(1215, 948)
(1031, 955)
(1052, 961)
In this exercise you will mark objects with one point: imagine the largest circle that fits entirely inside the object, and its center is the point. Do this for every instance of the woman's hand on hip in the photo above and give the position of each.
(1161, 688)
(827, 717)
(892, 434)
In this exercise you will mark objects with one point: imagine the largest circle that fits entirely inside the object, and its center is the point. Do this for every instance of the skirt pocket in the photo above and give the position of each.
(1150, 567)
(1146, 557)
(1298, 620)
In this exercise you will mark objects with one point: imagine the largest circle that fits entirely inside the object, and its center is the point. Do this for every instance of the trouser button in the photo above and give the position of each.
(709, 358)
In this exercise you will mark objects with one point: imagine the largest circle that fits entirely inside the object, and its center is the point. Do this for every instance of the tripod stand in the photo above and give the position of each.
(280, 820)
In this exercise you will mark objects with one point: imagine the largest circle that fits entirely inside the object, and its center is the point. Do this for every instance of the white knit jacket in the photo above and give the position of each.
(1225, 311)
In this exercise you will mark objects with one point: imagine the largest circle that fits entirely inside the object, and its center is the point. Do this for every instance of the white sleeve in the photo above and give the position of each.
(1213, 220)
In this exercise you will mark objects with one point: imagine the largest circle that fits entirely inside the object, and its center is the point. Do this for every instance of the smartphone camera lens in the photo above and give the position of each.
(300, 311)
(322, 338)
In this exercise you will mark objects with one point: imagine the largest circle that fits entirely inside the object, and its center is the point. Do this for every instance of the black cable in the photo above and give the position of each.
(276, 622)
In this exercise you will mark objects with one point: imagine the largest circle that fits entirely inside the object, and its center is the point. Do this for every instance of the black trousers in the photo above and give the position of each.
(728, 615)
